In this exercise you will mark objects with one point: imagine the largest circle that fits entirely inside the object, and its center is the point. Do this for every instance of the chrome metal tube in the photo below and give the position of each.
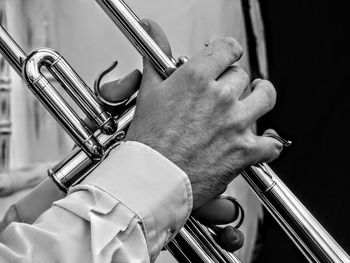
(54, 102)
(30, 66)
(82, 95)
(11, 51)
(313, 240)
(77, 165)
(197, 238)
(5, 102)
(310, 237)
(94, 148)
(305, 231)
(45, 92)
(128, 23)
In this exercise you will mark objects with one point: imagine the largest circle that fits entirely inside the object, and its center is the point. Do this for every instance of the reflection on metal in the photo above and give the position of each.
(46, 139)
(5, 122)
(308, 235)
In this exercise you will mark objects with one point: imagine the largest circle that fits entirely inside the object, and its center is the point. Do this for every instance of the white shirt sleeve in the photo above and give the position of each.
(125, 211)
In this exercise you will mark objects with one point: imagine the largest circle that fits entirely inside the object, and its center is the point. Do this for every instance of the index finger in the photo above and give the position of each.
(150, 75)
(215, 58)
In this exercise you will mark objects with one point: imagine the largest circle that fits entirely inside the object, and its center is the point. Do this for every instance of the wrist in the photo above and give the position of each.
(151, 186)
(200, 188)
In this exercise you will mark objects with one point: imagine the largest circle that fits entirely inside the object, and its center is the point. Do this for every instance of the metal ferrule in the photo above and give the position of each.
(11, 51)
(305, 231)
(54, 102)
(310, 237)
(128, 23)
(195, 243)
(82, 95)
(77, 165)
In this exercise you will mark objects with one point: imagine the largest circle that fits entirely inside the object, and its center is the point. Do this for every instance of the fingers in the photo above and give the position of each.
(217, 211)
(267, 148)
(235, 79)
(150, 75)
(123, 88)
(222, 211)
(117, 90)
(157, 34)
(230, 239)
(261, 100)
(214, 59)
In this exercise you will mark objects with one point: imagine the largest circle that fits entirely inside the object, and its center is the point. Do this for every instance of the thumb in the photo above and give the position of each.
(118, 91)
(121, 89)
(150, 75)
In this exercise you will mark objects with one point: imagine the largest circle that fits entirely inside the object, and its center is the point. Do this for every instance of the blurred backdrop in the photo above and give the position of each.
(308, 54)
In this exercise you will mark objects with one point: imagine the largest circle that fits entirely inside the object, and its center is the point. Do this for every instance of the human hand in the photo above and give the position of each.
(197, 120)
(217, 211)
(220, 214)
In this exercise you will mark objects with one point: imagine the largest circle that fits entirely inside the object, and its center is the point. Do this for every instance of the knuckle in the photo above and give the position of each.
(227, 90)
(241, 121)
(274, 153)
(270, 93)
(224, 94)
(248, 145)
(242, 75)
(277, 153)
(194, 73)
(232, 45)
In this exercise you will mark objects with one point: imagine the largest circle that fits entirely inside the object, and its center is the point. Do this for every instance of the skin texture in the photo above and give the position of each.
(196, 118)
(217, 211)
(210, 136)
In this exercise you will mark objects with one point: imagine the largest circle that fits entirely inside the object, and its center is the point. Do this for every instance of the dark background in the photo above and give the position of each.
(308, 44)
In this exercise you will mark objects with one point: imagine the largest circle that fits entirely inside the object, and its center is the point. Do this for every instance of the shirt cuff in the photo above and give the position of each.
(151, 186)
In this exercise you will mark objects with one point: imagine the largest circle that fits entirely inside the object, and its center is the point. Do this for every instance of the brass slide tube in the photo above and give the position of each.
(29, 67)
(93, 148)
(313, 240)
(305, 231)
